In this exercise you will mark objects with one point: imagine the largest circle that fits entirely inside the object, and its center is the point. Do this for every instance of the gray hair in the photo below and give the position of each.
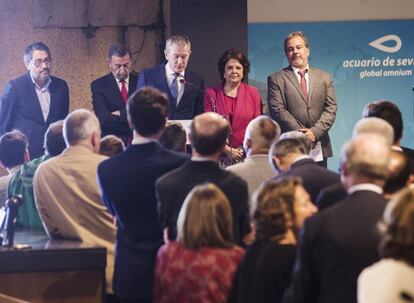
(28, 52)
(79, 125)
(295, 134)
(374, 125)
(181, 40)
(367, 155)
(262, 131)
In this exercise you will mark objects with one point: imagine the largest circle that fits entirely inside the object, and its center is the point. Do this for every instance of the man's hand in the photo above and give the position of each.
(309, 134)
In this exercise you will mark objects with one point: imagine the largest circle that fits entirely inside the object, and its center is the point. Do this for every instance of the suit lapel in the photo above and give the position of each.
(32, 101)
(188, 88)
(290, 74)
(115, 92)
(311, 83)
(166, 88)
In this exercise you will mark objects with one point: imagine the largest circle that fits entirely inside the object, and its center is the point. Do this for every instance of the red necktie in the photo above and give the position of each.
(124, 92)
(303, 83)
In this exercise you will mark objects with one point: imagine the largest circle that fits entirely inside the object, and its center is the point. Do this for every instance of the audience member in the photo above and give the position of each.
(280, 208)
(174, 137)
(302, 97)
(261, 132)
(398, 174)
(184, 88)
(33, 101)
(336, 244)
(110, 93)
(209, 132)
(199, 267)
(234, 99)
(111, 145)
(391, 279)
(13, 153)
(336, 192)
(127, 188)
(289, 156)
(22, 181)
(295, 134)
(67, 193)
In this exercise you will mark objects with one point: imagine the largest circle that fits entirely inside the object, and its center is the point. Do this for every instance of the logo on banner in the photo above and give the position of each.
(379, 43)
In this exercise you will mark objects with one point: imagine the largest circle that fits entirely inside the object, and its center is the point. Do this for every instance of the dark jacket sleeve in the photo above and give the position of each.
(7, 104)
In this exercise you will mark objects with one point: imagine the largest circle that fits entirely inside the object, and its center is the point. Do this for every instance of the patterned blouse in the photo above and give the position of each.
(204, 275)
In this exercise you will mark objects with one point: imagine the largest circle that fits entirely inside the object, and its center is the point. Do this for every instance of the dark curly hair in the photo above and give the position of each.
(398, 238)
(236, 55)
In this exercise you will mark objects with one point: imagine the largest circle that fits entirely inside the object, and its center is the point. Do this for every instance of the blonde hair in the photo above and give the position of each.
(205, 219)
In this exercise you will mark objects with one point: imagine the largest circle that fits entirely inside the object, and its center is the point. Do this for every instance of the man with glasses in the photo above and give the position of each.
(30, 103)
(111, 92)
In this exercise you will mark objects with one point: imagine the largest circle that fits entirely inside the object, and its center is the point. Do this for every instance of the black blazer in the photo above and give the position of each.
(330, 195)
(191, 103)
(334, 247)
(107, 98)
(20, 109)
(314, 176)
(173, 188)
(127, 187)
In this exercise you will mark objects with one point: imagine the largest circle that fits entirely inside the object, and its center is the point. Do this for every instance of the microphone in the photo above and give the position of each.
(185, 82)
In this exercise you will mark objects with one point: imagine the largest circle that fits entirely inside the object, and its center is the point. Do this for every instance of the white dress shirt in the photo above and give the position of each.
(170, 78)
(43, 95)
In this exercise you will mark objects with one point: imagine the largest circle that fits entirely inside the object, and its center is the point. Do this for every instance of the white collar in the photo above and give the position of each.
(296, 70)
(45, 87)
(365, 186)
(170, 72)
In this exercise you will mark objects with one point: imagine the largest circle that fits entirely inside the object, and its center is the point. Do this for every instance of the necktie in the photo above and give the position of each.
(174, 86)
(303, 83)
(124, 92)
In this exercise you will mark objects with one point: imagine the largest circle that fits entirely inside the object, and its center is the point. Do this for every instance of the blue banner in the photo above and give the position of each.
(369, 60)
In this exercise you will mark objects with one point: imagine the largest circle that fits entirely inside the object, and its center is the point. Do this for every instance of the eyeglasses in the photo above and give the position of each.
(39, 62)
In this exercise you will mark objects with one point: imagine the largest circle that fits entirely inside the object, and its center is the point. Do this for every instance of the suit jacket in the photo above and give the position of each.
(127, 189)
(289, 107)
(173, 188)
(191, 103)
(67, 197)
(314, 177)
(330, 195)
(334, 247)
(20, 109)
(106, 99)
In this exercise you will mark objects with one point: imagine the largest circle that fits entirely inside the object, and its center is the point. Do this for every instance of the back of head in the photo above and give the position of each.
(366, 155)
(205, 219)
(374, 125)
(209, 133)
(398, 238)
(262, 131)
(111, 145)
(28, 52)
(174, 137)
(398, 172)
(54, 141)
(295, 134)
(79, 125)
(273, 208)
(13, 146)
(389, 112)
(117, 50)
(147, 111)
(284, 147)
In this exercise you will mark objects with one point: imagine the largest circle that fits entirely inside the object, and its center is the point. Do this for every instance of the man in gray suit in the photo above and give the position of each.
(302, 97)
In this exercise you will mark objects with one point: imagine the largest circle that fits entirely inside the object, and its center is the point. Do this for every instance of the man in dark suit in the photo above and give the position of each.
(336, 244)
(291, 159)
(183, 87)
(302, 97)
(127, 188)
(209, 132)
(33, 101)
(110, 93)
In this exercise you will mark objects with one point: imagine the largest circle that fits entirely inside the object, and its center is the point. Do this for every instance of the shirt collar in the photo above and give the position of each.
(170, 72)
(365, 186)
(201, 159)
(138, 139)
(119, 81)
(296, 70)
(46, 87)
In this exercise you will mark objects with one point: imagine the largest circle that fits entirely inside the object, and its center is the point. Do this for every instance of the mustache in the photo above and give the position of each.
(46, 69)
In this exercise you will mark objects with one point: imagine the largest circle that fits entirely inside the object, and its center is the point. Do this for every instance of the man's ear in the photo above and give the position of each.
(247, 144)
(96, 141)
(26, 156)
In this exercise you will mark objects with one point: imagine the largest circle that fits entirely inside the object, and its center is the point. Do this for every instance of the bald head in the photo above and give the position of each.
(376, 126)
(209, 133)
(260, 134)
(366, 155)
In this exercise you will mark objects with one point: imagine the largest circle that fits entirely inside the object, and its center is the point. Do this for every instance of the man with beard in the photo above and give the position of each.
(33, 101)
(111, 92)
(302, 97)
